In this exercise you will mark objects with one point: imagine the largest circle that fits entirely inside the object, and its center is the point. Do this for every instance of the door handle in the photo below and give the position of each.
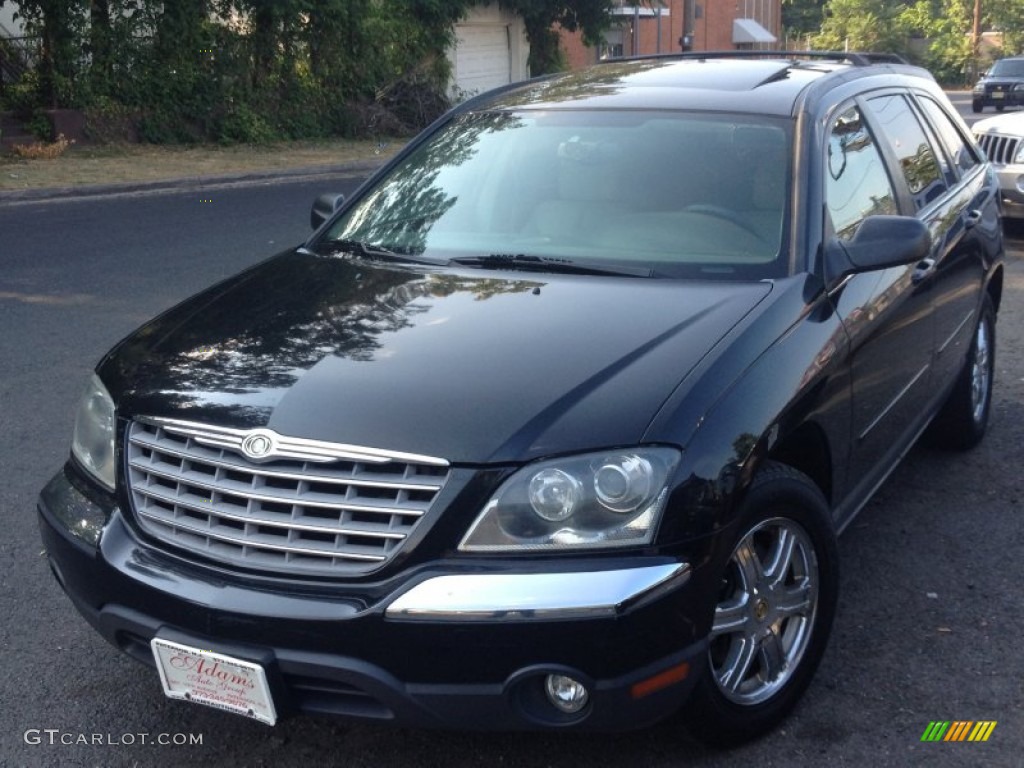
(923, 269)
(972, 219)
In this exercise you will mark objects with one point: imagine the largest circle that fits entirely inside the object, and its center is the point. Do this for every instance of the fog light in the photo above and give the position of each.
(567, 695)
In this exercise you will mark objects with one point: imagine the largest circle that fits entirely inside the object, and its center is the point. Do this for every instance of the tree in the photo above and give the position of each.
(256, 70)
(946, 25)
(58, 24)
(802, 18)
(592, 17)
(863, 25)
(1008, 17)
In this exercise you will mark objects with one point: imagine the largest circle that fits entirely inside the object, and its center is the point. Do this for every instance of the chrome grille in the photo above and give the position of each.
(290, 515)
(999, 149)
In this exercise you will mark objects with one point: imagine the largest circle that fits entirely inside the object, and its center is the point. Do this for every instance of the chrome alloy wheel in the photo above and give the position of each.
(980, 373)
(765, 612)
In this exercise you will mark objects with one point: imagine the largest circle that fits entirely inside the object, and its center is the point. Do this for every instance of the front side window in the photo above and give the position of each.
(907, 138)
(959, 149)
(856, 182)
(685, 195)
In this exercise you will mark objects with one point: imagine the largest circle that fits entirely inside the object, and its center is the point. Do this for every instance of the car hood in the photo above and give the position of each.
(1011, 123)
(467, 365)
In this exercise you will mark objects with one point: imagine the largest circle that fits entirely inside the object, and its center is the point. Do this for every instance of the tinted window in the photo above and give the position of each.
(959, 150)
(684, 194)
(856, 182)
(907, 138)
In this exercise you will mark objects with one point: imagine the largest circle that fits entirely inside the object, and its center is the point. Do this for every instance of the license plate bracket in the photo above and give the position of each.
(217, 680)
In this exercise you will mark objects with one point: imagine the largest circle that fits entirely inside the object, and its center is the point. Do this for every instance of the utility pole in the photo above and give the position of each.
(975, 40)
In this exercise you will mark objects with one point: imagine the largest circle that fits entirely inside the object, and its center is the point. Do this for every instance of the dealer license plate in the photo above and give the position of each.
(205, 677)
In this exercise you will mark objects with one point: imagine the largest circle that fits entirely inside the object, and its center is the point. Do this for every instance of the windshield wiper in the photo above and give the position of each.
(376, 252)
(541, 264)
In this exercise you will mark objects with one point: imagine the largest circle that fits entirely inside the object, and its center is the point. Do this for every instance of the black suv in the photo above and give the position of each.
(1002, 86)
(554, 422)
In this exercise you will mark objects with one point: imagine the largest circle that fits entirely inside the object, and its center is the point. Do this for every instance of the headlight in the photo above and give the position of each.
(607, 499)
(1019, 156)
(93, 440)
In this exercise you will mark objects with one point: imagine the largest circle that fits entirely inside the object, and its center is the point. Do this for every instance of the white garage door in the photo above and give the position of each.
(482, 57)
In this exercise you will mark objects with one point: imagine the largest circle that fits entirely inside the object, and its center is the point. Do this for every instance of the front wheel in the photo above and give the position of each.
(774, 610)
(977, 106)
(962, 422)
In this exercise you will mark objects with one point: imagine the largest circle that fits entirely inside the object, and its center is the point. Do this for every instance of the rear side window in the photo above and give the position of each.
(905, 134)
(960, 150)
(856, 182)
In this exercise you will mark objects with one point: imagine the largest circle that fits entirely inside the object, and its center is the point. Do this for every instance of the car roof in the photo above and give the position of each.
(763, 84)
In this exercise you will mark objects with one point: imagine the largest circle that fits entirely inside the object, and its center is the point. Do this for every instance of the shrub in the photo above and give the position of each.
(42, 150)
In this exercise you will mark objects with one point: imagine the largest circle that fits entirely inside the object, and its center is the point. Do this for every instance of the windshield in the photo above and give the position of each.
(1008, 68)
(680, 194)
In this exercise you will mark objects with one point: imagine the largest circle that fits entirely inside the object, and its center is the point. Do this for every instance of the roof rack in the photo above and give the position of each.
(858, 58)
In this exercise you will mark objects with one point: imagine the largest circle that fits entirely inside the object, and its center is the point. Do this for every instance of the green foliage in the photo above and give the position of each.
(59, 25)
(801, 18)
(946, 26)
(1008, 17)
(260, 70)
(110, 122)
(863, 25)
(39, 126)
(242, 125)
(22, 97)
(227, 70)
(936, 33)
(591, 17)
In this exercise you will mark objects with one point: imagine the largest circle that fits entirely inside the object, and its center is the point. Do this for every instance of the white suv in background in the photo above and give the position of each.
(1002, 139)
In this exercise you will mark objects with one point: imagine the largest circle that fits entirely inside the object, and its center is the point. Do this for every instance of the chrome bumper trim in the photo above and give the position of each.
(535, 596)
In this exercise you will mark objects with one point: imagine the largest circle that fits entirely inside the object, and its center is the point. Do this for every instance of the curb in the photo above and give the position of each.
(188, 182)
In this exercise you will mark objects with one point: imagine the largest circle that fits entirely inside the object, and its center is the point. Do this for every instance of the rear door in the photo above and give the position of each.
(968, 222)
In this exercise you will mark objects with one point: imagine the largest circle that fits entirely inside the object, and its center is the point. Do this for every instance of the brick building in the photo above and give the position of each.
(674, 25)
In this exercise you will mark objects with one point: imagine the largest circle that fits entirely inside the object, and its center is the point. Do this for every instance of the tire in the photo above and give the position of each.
(976, 106)
(772, 620)
(999, 107)
(963, 419)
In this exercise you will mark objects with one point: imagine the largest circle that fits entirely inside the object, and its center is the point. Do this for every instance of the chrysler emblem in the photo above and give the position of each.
(256, 445)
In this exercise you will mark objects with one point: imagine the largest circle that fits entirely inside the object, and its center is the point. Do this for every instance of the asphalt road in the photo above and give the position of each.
(929, 625)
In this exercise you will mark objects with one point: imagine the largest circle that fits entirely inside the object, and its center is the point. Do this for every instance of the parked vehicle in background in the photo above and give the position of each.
(1001, 137)
(555, 422)
(1000, 87)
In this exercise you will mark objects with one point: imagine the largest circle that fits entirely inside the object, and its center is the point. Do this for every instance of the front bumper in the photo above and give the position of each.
(463, 645)
(1005, 97)
(1011, 190)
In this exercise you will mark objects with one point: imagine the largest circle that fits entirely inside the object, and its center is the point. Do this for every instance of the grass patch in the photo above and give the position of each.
(83, 165)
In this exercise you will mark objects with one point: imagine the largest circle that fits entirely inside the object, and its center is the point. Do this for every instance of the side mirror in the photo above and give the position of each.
(324, 207)
(881, 242)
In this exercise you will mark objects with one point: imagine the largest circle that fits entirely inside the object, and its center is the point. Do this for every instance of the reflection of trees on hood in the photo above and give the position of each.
(481, 288)
(401, 211)
(264, 334)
